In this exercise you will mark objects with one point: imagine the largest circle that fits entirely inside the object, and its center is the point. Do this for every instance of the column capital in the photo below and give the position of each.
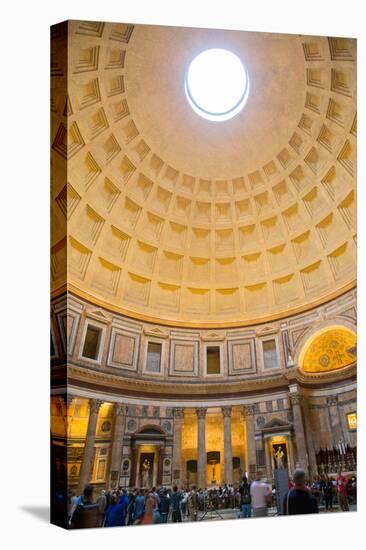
(249, 409)
(296, 399)
(120, 409)
(94, 405)
(332, 400)
(178, 412)
(201, 412)
(69, 399)
(226, 411)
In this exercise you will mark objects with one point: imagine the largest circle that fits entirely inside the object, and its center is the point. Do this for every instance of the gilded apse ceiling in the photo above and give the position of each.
(330, 349)
(185, 221)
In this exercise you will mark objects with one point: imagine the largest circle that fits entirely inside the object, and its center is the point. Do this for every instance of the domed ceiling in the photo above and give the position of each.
(181, 220)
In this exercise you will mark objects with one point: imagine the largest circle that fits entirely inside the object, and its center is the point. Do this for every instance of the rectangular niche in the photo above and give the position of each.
(270, 354)
(183, 358)
(92, 340)
(241, 356)
(153, 357)
(123, 349)
(213, 356)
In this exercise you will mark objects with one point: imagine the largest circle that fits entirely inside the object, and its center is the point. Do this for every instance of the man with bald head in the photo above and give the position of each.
(299, 500)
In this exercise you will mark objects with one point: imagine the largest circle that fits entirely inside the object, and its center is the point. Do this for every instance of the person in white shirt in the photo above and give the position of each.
(260, 493)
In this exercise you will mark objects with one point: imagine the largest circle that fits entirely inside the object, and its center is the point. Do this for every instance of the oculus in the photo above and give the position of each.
(217, 84)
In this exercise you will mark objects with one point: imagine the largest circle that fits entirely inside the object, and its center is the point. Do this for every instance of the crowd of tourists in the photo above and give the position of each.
(250, 499)
(329, 490)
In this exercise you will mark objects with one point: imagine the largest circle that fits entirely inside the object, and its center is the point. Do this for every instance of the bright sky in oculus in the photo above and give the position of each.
(217, 84)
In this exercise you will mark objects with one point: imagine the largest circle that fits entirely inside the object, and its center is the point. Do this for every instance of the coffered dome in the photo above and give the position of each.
(175, 218)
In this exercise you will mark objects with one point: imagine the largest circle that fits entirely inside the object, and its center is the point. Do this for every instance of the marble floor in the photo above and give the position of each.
(230, 513)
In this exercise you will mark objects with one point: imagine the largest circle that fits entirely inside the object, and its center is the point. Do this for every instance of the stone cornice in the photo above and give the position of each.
(117, 384)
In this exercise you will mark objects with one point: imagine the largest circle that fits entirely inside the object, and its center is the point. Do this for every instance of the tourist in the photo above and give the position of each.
(176, 500)
(72, 500)
(322, 484)
(184, 503)
(164, 506)
(86, 513)
(156, 496)
(131, 506)
(115, 513)
(245, 498)
(139, 507)
(328, 493)
(299, 500)
(261, 496)
(192, 504)
(342, 492)
(123, 499)
(150, 506)
(102, 503)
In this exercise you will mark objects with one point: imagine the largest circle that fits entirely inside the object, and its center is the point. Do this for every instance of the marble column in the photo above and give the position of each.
(201, 447)
(250, 430)
(269, 458)
(313, 469)
(87, 464)
(291, 452)
(178, 469)
(117, 444)
(228, 450)
(302, 455)
(161, 452)
(334, 420)
(134, 457)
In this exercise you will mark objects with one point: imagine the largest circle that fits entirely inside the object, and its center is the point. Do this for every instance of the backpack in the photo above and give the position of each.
(245, 494)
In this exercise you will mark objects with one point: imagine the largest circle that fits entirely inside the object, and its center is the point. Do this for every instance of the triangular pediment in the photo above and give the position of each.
(275, 423)
(213, 336)
(98, 314)
(157, 332)
(268, 329)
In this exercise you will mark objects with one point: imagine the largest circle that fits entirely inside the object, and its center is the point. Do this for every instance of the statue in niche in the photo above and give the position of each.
(145, 473)
(279, 456)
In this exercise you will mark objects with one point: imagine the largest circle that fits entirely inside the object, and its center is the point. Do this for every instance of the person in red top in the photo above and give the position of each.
(342, 492)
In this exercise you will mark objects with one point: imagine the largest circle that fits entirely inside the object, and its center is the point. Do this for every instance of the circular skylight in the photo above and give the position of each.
(217, 84)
